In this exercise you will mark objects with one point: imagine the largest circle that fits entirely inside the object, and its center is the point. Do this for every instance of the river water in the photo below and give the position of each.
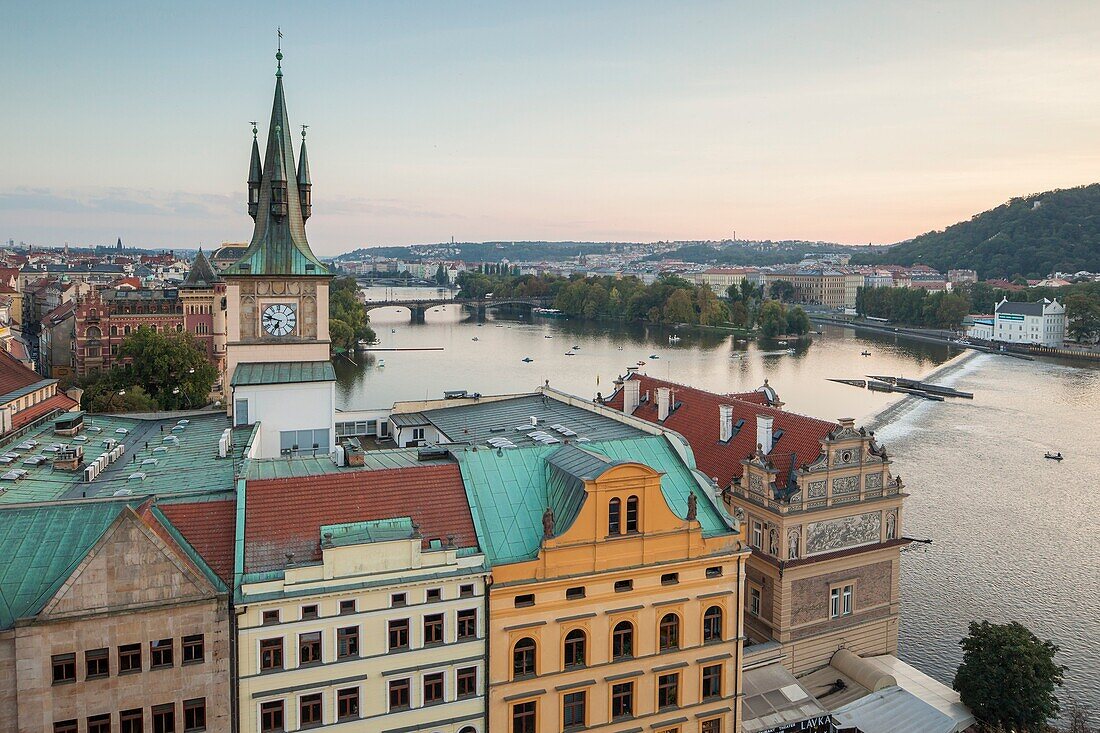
(1013, 535)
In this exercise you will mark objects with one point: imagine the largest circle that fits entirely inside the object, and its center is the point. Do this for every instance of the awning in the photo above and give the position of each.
(775, 701)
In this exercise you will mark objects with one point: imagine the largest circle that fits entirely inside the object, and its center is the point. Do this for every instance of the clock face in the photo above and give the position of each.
(280, 319)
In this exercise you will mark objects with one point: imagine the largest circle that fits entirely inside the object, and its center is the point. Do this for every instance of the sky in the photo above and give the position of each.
(850, 122)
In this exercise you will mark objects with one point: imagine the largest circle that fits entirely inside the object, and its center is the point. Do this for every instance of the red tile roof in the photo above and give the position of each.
(697, 419)
(285, 515)
(14, 374)
(210, 528)
(59, 401)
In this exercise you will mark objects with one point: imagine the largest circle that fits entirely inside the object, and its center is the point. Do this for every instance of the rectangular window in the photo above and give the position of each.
(622, 700)
(670, 579)
(433, 595)
(524, 600)
(271, 654)
(97, 663)
(64, 668)
(271, 717)
(622, 586)
(466, 591)
(64, 726)
(240, 412)
(164, 718)
(309, 648)
(129, 658)
(714, 572)
(433, 629)
(754, 601)
(433, 688)
(399, 634)
(668, 690)
(99, 724)
(757, 535)
(467, 623)
(399, 694)
(712, 681)
(131, 721)
(347, 607)
(347, 642)
(194, 714)
(840, 601)
(523, 717)
(160, 653)
(309, 612)
(632, 514)
(271, 617)
(309, 711)
(347, 703)
(397, 600)
(194, 651)
(574, 594)
(573, 706)
(467, 682)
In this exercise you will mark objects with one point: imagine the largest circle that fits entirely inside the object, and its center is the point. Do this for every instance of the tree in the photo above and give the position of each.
(952, 309)
(441, 277)
(739, 315)
(678, 308)
(1082, 316)
(341, 335)
(773, 318)
(1078, 717)
(782, 290)
(798, 322)
(170, 366)
(1008, 676)
(133, 399)
(344, 306)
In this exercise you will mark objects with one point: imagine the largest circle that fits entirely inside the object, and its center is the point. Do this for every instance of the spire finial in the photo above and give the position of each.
(304, 128)
(255, 131)
(279, 52)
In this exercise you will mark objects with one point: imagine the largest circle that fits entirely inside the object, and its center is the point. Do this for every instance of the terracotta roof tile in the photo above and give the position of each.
(285, 515)
(696, 417)
(57, 402)
(210, 527)
(14, 374)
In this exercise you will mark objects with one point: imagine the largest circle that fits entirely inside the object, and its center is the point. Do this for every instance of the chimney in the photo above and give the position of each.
(632, 390)
(725, 415)
(662, 402)
(764, 433)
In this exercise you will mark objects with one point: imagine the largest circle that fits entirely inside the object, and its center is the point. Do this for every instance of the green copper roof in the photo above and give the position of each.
(282, 372)
(510, 489)
(375, 530)
(41, 547)
(279, 245)
(202, 275)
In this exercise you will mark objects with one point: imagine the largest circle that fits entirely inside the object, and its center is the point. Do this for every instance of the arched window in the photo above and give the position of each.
(574, 648)
(669, 632)
(93, 332)
(126, 331)
(712, 625)
(179, 328)
(114, 330)
(468, 729)
(632, 514)
(523, 658)
(614, 516)
(622, 640)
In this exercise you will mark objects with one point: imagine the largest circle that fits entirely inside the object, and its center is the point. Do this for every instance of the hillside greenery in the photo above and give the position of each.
(1031, 236)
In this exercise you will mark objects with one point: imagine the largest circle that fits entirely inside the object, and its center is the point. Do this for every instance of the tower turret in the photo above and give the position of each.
(304, 184)
(255, 176)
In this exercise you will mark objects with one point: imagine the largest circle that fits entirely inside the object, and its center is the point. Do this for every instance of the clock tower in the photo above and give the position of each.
(277, 344)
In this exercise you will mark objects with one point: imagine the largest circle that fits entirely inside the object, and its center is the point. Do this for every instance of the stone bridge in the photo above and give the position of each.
(419, 306)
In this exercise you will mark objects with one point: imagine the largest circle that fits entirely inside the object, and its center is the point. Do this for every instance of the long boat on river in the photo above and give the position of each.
(935, 389)
(879, 386)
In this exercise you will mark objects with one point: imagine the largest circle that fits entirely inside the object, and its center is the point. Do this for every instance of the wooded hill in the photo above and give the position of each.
(1029, 237)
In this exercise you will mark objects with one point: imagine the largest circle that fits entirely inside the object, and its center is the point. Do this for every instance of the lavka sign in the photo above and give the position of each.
(820, 724)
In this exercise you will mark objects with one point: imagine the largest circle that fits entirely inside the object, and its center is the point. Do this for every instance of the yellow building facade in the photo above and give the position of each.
(628, 617)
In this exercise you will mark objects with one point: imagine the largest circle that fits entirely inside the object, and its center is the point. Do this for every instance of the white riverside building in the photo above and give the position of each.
(1042, 323)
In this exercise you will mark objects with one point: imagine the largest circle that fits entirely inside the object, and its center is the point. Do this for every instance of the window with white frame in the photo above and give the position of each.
(757, 535)
(840, 600)
(754, 601)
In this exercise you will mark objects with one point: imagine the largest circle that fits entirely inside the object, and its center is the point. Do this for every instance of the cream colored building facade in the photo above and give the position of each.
(382, 635)
(826, 562)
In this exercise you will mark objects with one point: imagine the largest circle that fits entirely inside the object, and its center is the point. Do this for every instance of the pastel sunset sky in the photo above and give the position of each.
(852, 122)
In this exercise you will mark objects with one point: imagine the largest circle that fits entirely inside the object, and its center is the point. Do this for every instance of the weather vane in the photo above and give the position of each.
(304, 128)
(254, 130)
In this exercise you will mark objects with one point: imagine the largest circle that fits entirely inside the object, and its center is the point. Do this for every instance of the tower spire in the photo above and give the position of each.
(304, 184)
(280, 202)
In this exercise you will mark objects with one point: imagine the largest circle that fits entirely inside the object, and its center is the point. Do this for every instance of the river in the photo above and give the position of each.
(1013, 535)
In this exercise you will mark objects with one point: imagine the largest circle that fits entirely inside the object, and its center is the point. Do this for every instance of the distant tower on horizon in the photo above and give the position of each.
(118, 245)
